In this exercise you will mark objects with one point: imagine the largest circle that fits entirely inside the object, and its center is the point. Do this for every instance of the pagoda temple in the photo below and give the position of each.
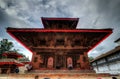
(9, 62)
(59, 44)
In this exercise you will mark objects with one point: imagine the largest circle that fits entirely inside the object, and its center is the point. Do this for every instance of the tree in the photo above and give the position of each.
(15, 50)
(5, 45)
(91, 58)
(24, 59)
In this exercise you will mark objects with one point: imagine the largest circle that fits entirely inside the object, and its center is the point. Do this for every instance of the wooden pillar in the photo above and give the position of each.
(8, 71)
(86, 61)
(45, 59)
(0, 70)
(55, 62)
(81, 61)
(64, 61)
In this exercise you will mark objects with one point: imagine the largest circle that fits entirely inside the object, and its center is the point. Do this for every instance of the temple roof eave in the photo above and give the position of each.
(10, 61)
(9, 29)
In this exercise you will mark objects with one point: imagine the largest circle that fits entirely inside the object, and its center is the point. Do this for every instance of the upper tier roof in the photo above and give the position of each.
(60, 23)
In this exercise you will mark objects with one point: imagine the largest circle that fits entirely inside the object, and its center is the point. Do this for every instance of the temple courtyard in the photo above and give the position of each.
(58, 75)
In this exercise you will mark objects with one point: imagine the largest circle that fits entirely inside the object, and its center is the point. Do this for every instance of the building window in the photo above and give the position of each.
(101, 61)
(60, 42)
(42, 42)
(94, 63)
(77, 43)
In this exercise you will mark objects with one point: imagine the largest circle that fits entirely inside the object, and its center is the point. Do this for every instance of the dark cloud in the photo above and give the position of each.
(109, 10)
(92, 13)
(102, 5)
(44, 2)
(3, 17)
(61, 12)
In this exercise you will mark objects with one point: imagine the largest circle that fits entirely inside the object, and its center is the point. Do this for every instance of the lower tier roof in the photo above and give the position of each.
(36, 39)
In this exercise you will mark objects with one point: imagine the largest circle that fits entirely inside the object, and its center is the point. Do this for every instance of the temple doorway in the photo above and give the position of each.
(69, 62)
(50, 62)
(59, 62)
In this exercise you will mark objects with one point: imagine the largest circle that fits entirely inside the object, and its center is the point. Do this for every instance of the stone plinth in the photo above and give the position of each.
(57, 74)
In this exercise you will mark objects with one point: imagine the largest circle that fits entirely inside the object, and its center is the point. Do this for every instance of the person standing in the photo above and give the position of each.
(16, 70)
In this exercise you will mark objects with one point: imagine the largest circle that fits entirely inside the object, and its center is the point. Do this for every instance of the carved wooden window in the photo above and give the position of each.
(77, 42)
(42, 42)
(60, 42)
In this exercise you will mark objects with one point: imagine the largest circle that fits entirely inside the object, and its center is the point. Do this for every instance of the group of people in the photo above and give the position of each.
(29, 68)
(16, 70)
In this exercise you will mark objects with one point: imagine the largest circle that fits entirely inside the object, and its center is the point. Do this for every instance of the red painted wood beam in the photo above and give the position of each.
(67, 19)
(55, 30)
(11, 63)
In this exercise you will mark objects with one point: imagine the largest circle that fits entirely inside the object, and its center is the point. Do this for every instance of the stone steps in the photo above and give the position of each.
(62, 71)
(58, 76)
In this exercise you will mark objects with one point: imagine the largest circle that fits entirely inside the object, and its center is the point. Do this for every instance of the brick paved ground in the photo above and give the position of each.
(56, 76)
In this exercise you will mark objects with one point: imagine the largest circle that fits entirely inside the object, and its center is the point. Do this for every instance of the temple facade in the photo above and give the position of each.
(59, 45)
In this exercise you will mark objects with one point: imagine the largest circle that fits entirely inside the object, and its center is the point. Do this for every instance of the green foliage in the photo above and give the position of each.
(15, 50)
(24, 59)
(91, 58)
(5, 45)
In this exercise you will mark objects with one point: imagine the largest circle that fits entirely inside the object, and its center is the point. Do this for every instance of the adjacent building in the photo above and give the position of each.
(108, 62)
(9, 63)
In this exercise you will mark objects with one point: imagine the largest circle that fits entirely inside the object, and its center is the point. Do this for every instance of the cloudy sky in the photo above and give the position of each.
(95, 14)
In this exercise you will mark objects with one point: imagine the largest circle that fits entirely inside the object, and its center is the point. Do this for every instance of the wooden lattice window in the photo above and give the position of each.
(42, 42)
(77, 42)
(60, 42)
